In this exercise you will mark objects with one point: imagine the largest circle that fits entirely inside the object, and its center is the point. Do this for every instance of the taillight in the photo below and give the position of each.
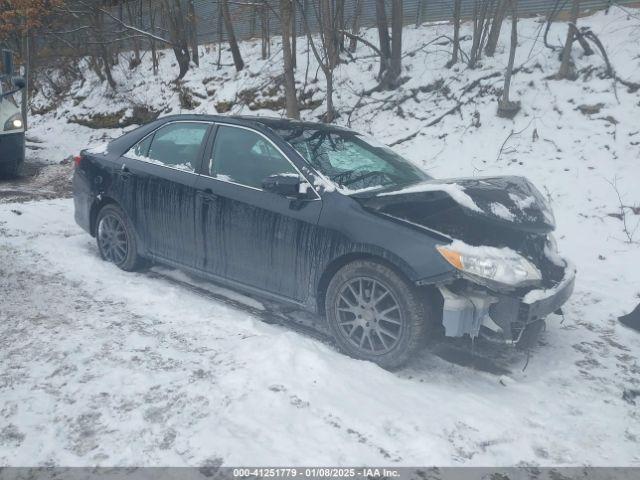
(77, 159)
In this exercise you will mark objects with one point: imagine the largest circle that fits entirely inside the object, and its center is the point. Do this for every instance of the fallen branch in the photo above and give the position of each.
(430, 124)
(511, 134)
(361, 40)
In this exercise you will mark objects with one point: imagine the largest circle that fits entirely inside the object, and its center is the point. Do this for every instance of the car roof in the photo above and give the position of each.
(275, 123)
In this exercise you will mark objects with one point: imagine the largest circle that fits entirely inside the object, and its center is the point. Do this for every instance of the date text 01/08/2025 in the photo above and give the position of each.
(315, 472)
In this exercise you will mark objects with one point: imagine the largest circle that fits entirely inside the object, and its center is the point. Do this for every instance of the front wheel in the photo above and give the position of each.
(116, 238)
(374, 314)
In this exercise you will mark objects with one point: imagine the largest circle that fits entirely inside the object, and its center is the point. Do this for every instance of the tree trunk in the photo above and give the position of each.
(383, 35)
(507, 108)
(264, 26)
(103, 51)
(172, 11)
(135, 61)
(456, 33)
(330, 115)
(339, 23)
(355, 25)
(566, 66)
(323, 14)
(294, 35)
(328, 33)
(291, 100)
(479, 26)
(496, 26)
(152, 27)
(233, 43)
(220, 37)
(396, 44)
(193, 33)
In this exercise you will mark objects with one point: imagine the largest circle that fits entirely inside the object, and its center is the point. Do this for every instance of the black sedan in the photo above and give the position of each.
(324, 218)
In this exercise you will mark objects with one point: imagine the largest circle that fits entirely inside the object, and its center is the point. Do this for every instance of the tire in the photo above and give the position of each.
(393, 323)
(116, 239)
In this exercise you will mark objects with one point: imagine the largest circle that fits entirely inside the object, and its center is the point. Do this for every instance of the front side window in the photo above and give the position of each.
(175, 145)
(245, 157)
(352, 161)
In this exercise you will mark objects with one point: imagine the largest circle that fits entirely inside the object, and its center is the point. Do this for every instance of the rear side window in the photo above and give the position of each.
(245, 157)
(175, 145)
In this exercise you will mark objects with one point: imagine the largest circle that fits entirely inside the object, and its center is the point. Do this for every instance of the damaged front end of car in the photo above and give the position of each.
(508, 276)
(509, 307)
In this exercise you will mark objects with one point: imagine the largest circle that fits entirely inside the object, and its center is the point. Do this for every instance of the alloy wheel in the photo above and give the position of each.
(369, 315)
(113, 239)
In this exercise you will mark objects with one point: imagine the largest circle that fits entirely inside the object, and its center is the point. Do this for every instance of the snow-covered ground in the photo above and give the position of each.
(101, 367)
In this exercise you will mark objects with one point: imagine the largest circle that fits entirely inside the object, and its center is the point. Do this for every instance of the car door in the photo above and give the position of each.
(249, 235)
(162, 168)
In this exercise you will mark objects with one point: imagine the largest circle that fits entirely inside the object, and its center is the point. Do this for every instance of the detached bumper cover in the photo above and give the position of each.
(464, 312)
(539, 303)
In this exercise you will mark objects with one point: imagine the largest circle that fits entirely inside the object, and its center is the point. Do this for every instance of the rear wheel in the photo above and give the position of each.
(374, 314)
(116, 239)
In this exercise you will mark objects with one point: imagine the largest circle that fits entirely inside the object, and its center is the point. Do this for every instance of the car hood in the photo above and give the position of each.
(459, 206)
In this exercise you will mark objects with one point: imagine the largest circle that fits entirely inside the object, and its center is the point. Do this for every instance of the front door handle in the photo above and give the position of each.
(207, 195)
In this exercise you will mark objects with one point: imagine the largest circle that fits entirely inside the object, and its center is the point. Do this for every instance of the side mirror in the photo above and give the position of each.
(18, 82)
(7, 61)
(285, 184)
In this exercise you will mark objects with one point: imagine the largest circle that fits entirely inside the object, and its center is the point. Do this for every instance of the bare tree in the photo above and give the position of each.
(390, 47)
(102, 47)
(291, 100)
(481, 22)
(175, 17)
(496, 26)
(383, 37)
(339, 25)
(507, 108)
(355, 25)
(324, 53)
(193, 32)
(264, 29)
(294, 35)
(327, 19)
(456, 33)
(152, 27)
(231, 36)
(396, 43)
(566, 66)
(134, 19)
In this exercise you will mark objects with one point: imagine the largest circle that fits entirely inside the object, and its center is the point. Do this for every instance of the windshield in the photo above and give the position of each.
(352, 161)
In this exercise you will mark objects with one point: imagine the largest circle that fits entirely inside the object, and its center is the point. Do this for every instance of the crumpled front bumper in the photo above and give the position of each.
(506, 315)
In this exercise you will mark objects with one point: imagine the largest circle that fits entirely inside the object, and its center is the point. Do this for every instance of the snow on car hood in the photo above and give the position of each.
(512, 202)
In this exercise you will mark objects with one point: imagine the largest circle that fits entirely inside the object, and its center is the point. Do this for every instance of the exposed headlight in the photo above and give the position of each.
(500, 265)
(14, 122)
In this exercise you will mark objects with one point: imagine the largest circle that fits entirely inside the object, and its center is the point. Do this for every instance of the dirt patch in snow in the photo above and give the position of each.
(38, 181)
